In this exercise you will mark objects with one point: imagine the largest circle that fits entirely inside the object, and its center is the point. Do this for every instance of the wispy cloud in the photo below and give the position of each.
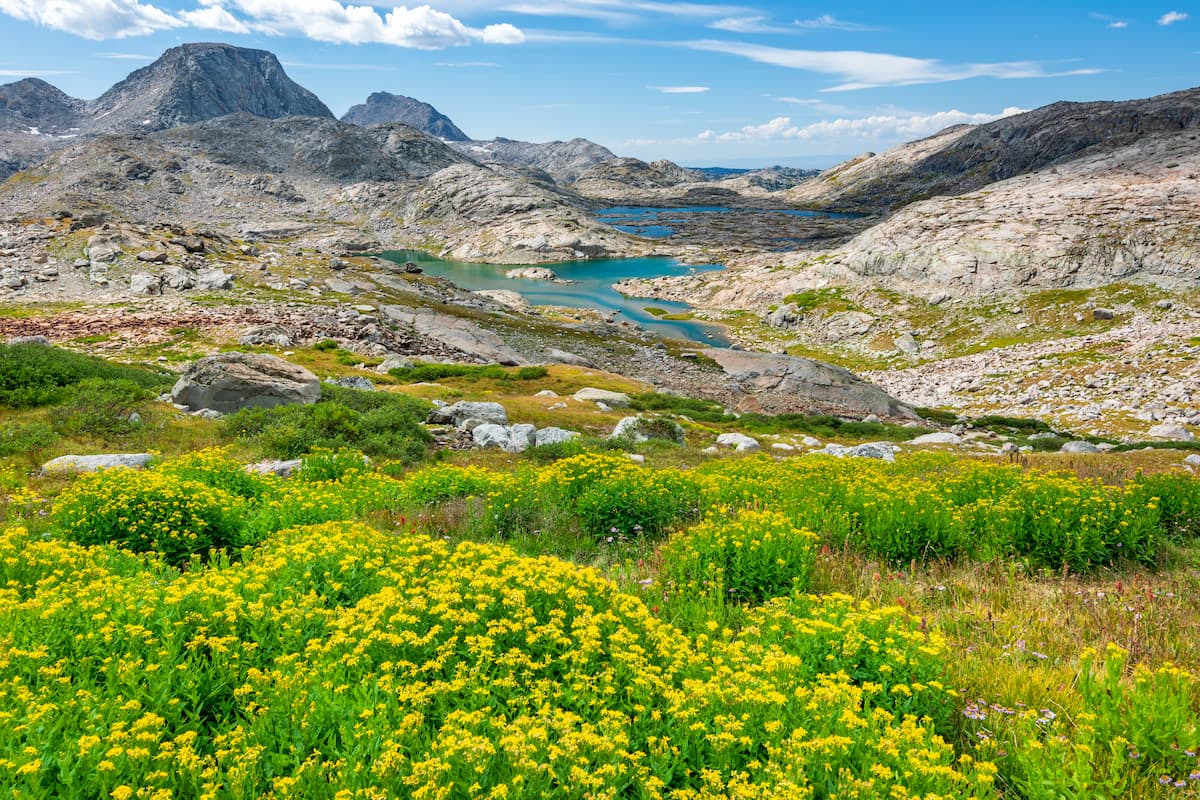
(34, 73)
(832, 23)
(338, 67)
(466, 64)
(815, 104)
(127, 56)
(884, 127)
(1171, 17)
(680, 89)
(863, 70)
(754, 24)
(1112, 22)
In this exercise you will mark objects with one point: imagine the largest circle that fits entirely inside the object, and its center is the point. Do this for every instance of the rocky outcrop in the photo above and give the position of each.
(455, 333)
(34, 104)
(95, 463)
(617, 176)
(228, 382)
(196, 82)
(483, 216)
(563, 161)
(769, 383)
(383, 107)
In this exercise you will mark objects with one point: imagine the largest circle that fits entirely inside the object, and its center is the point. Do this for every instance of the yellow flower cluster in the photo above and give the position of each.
(336, 660)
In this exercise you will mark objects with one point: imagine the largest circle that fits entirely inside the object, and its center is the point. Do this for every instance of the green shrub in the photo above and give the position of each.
(213, 467)
(531, 373)
(1177, 497)
(827, 426)
(28, 438)
(376, 423)
(149, 511)
(35, 375)
(101, 407)
(325, 345)
(699, 410)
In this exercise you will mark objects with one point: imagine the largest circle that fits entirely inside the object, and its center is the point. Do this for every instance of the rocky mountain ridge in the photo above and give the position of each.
(384, 107)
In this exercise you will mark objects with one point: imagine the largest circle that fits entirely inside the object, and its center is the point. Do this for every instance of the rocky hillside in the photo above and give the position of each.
(965, 159)
(563, 161)
(383, 107)
(320, 180)
(32, 105)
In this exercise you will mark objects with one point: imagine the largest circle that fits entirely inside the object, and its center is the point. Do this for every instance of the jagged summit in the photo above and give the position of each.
(383, 107)
(201, 81)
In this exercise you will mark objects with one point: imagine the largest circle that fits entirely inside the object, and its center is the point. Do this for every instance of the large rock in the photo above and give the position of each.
(228, 382)
(211, 280)
(593, 395)
(739, 442)
(565, 357)
(552, 435)
(532, 273)
(778, 383)
(454, 332)
(459, 413)
(489, 434)
(1176, 433)
(1080, 447)
(93, 463)
(938, 437)
(145, 283)
(884, 451)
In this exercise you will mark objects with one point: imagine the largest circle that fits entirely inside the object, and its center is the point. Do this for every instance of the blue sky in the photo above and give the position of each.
(721, 83)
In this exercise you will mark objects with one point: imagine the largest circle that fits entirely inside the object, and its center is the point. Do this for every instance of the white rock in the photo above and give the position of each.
(782, 447)
(636, 458)
(489, 434)
(809, 441)
(1176, 433)
(739, 441)
(554, 436)
(546, 393)
(1193, 460)
(939, 437)
(592, 395)
(1079, 447)
(93, 463)
(521, 436)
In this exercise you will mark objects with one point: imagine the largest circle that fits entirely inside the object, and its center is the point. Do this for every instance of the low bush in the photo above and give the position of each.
(27, 438)
(378, 424)
(35, 375)
(102, 408)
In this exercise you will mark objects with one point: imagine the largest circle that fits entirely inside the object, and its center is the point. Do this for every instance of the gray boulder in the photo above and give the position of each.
(38, 339)
(94, 463)
(553, 436)
(353, 382)
(907, 343)
(458, 413)
(180, 279)
(563, 357)
(145, 283)
(1080, 447)
(775, 384)
(489, 434)
(939, 437)
(880, 450)
(392, 362)
(1175, 433)
(275, 335)
(611, 399)
(521, 437)
(228, 382)
(739, 442)
(211, 280)
(283, 469)
(454, 332)
(152, 256)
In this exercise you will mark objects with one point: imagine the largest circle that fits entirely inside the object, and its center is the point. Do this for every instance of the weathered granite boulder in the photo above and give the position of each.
(459, 413)
(739, 442)
(613, 399)
(639, 429)
(94, 463)
(228, 382)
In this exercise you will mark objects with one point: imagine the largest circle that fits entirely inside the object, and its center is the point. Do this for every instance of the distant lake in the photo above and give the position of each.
(655, 223)
(590, 286)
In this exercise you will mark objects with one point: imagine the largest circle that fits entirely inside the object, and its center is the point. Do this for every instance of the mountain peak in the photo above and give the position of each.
(384, 107)
(199, 81)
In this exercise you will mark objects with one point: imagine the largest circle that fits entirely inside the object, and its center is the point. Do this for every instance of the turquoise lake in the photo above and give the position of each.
(590, 286)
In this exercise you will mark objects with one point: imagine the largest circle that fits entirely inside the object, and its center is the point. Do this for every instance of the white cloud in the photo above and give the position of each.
(1171, 17)
(422, 27)
(1118, 24)
(831, 23)
(884, 127)
(680, 89)
(34, 73)
(214, 18)
(755, 24)
(1113, 22)
(93, 19)
(862, 70)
